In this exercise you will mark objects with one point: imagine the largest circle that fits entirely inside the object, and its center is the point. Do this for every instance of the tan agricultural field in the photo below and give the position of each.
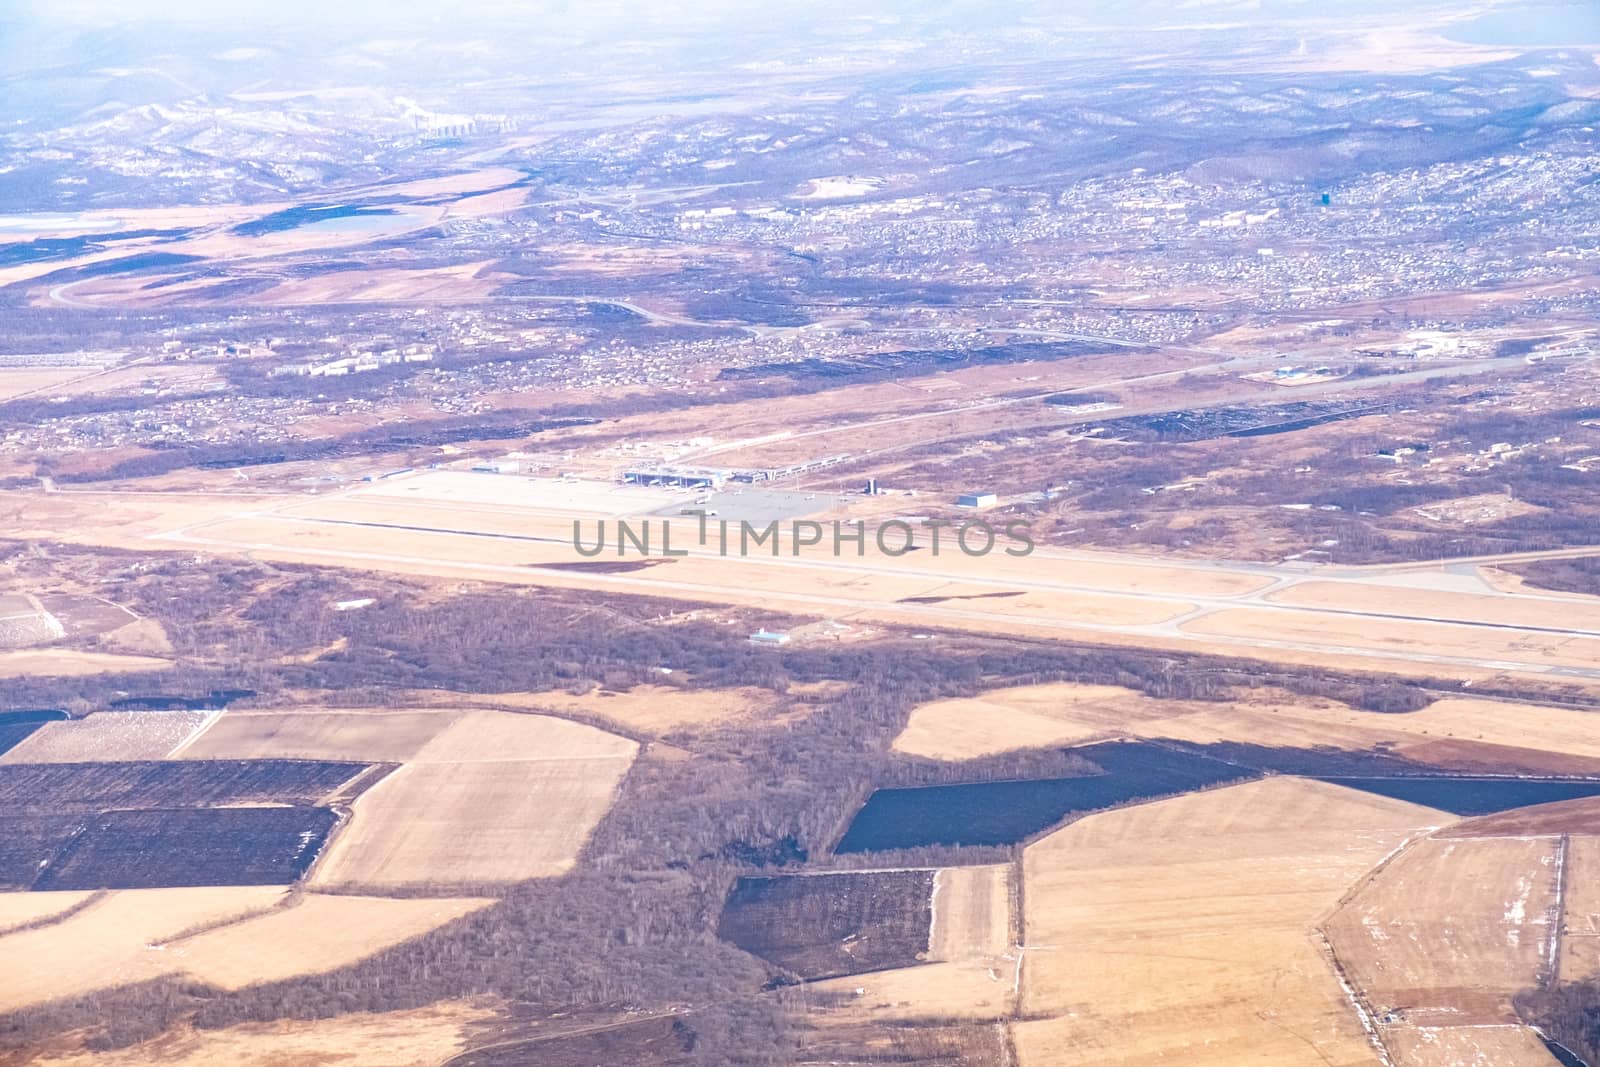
(1450, 929)
(141, 637)
(1580, 921)
(108, 943)
(494, 797)
(444, 734)
(315, 933)
(1457, 732)
(1479, 1046)
(504, 736)
(1531, 726)
(483, 796)
(972, 970)
(326, 734)
(928, 991)
(70, 663)
(651, 709)
(472, 823)
(1580, 816)
(107, 735)
(1029, 716)
(655, 709)
(248, 935)
(18, 909)
(1184, 930)
(971, 914)
(423, 1037)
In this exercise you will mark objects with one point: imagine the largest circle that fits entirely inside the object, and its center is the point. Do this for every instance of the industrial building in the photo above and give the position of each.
(772, 474)
(686, 477)
(977, 500)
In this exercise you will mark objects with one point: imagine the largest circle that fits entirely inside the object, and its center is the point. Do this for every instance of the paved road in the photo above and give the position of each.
(1519, 649)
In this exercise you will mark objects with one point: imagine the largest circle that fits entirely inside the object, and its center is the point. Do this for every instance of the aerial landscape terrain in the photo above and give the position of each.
(1004, 534)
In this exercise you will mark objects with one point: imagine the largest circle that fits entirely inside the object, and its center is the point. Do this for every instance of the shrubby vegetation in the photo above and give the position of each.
(1564, 575)
(1568, 1013)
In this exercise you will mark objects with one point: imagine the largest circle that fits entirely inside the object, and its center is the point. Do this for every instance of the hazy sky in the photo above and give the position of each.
(378, 13)
(601, 19)
(374, 12)
(585, 16)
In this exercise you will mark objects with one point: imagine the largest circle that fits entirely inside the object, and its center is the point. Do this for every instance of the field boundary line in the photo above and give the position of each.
(1558, 915)
(346, 792)
(99, 896)
(1345, 898)
(1016, 901)
(581, 1032)
(1444, 834)
(818, 873)
(1008, 1042)
(1356, 999)
(334, 838)
(194, 735)
(293, 897)
(521, 759)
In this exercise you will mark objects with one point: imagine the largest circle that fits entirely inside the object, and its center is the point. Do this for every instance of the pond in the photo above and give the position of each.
(329, 218)
(1472, 796)
(1005, 812)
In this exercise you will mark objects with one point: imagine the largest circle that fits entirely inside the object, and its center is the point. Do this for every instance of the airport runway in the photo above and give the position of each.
(1441, 616)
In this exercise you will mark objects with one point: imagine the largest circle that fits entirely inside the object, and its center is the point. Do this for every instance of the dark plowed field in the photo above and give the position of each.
(58, 788)
(824, 925)
(189, 847)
